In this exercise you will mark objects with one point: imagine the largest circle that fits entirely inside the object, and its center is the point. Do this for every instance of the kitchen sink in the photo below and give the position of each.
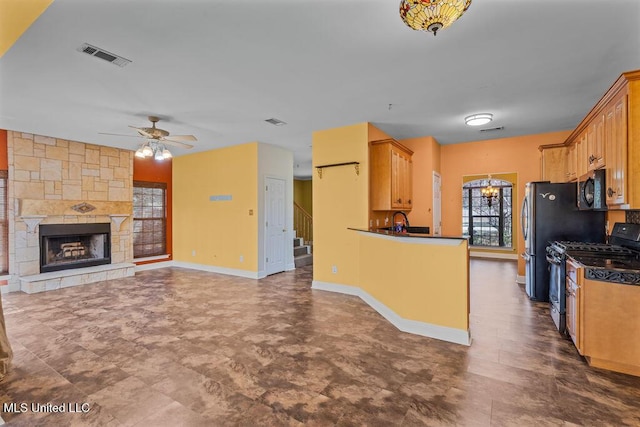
(417, 229)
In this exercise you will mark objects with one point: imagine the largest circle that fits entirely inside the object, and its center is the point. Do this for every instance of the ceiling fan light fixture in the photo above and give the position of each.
(166, 154)
(147, 151)
(140, 153)
(478, 119)
(432, 15)
(158, 154)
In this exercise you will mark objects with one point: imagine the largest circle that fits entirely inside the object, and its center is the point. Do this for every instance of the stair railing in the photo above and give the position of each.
(302, 223)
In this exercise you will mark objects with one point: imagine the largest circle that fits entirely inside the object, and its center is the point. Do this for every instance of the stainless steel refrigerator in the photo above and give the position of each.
(549, 213)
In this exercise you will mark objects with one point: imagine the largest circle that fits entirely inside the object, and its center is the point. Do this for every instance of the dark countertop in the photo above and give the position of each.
(384, 232)
(614, 269)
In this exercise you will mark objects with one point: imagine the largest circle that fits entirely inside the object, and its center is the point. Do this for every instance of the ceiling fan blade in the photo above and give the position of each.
(120, 134)
(169, 141)
(182, 138)
(142, 132)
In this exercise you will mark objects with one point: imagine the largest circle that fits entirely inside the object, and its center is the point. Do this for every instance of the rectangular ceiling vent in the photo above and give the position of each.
(275, 122)
(103, 54)
(492, 129)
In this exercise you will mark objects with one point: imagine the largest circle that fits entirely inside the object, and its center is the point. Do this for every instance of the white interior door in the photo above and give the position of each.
(275, 225)
(437, 204)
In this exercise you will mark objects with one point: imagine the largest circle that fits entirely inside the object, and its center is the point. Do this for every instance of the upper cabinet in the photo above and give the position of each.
(554, 164)
(616, 145)
(595, 143)
(391, 176)
(607, 138)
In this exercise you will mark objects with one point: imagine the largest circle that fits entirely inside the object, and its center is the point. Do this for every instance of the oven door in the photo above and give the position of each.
(557, 293)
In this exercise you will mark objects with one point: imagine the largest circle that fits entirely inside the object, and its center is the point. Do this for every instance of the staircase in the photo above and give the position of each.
(301, 253)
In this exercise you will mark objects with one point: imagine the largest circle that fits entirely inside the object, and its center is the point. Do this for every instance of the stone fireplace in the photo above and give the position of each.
(56, 184)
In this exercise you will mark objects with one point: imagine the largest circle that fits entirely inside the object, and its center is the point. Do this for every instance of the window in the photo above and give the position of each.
(149, 219)
(4, 224)
(487, 224)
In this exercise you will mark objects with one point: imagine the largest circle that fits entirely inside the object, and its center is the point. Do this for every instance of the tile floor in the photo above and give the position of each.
(177, 347)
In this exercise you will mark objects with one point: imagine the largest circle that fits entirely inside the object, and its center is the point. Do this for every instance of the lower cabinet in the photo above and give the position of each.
(611, 326)
(574, 299)
(603, 320)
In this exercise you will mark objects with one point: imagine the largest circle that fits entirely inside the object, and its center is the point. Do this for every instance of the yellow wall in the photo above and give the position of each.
(15, 17)
(218, 231)
(518, 154)
(423, 282)
(303, 194)
(340, 200)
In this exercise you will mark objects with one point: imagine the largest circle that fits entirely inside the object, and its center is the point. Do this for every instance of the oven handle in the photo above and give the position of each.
(554, 261)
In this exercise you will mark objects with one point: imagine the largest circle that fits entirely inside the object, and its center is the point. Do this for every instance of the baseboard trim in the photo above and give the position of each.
(520, 279)
(444, 333)
(492, 255)
(154, 265)
(221, 270)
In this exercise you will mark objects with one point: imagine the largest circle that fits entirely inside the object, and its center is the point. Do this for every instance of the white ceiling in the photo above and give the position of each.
(218, 69)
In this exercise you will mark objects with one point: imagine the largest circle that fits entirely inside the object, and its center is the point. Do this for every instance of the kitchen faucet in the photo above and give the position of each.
(406, 220)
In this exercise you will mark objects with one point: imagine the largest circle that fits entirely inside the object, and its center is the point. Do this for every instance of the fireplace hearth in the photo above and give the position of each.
(69, 246)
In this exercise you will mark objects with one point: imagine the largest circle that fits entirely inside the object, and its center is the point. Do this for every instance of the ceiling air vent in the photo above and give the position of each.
(492, 129)
(103, 54)
(275, 122)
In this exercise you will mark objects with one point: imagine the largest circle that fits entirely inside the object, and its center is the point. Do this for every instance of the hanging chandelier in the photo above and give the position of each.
(153, 149)
(489, 193)
(432, 15)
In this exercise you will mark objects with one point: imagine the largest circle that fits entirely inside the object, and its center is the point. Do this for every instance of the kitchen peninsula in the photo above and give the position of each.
(417, 282)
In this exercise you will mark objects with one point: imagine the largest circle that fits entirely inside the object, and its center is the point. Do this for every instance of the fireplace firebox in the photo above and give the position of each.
(67, 246)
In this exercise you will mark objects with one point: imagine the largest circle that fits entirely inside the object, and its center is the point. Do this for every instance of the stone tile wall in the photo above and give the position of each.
(59, 171)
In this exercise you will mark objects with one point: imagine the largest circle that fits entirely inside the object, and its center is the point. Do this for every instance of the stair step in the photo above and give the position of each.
(301, 250)
(303, 260)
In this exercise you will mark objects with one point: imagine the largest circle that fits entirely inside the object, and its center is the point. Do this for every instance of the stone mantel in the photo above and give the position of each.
(32, 207)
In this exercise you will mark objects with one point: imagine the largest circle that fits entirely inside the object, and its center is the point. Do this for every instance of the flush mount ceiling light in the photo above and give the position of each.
(153, 149)
(478, 119)
(432, 15)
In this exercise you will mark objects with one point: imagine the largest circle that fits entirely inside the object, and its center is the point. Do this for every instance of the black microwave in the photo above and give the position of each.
(591, 191)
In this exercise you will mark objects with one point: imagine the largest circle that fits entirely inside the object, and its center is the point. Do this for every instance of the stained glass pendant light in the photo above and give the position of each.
(432, 15)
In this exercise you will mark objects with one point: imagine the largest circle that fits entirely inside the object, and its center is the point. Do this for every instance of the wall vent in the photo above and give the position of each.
(275, 122)
(492, 129)
(103, 54)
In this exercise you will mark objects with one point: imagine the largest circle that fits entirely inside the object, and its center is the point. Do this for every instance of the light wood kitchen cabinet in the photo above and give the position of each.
(612, 131)
(595, 144)
(391, 184)
(582, 164)
(610, 326)
(574, 281)
(554, 165)
(615, 138)
(572, 163)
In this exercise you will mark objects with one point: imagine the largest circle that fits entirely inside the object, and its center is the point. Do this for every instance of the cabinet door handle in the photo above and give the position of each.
(610, 192)
(399, 201)
(592, 159)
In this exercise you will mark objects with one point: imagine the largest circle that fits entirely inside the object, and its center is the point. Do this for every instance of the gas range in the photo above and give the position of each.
(617, 261)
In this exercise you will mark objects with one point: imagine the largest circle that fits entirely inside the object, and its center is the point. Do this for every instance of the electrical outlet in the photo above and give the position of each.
(334, 269)
(193, 252)
(241, 258)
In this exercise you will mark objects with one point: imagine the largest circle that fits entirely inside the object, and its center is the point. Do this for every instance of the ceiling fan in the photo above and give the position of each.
(158, 135)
